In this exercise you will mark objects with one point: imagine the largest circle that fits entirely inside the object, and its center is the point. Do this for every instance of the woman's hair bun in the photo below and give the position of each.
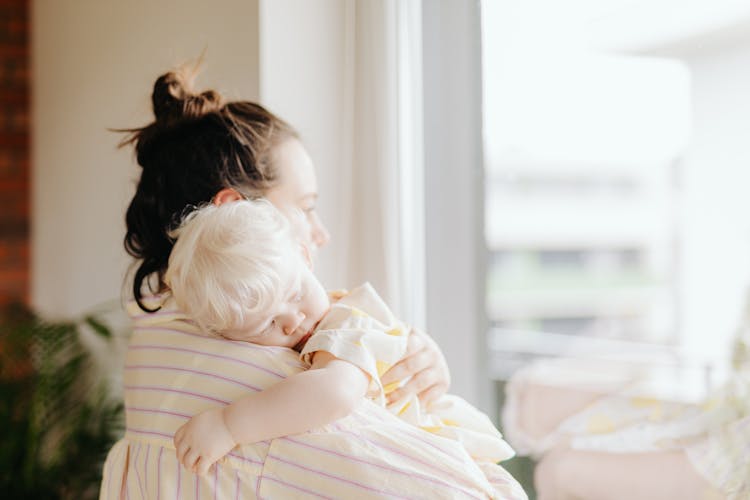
(174, 99)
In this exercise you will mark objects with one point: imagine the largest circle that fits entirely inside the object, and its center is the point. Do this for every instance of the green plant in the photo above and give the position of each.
(56, 421)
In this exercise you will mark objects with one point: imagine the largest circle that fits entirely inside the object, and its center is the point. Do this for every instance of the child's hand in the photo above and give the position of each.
(203, 440)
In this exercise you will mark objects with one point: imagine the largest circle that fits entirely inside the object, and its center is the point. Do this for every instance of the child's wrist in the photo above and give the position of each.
(225, 421)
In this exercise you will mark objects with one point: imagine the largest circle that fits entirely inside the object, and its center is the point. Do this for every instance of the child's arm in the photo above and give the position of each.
(329, 390)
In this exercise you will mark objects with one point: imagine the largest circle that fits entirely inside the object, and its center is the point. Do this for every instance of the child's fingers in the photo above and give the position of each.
(179, 436)
(181, 441)
(181, 452)
(202, 466)
(191, 457)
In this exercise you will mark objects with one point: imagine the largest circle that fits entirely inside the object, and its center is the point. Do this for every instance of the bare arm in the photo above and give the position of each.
(329, 390)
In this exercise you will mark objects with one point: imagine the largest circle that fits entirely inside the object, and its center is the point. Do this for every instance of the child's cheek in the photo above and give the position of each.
(324, 305)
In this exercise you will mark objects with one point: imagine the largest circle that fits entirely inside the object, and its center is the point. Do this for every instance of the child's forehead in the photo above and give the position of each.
(291, 276)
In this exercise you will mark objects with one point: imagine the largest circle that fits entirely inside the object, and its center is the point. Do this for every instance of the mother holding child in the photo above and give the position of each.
(244, 378)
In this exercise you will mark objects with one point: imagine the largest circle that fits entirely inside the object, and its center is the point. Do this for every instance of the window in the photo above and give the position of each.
(612, 157)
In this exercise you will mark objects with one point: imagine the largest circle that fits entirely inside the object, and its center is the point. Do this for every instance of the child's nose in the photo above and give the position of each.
(292, 322)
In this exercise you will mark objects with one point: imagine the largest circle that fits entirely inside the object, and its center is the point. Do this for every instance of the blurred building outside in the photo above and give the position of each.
(611, 225)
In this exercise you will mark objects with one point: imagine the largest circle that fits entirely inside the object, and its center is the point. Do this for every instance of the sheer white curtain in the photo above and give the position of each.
(347, 75)
(383, 148)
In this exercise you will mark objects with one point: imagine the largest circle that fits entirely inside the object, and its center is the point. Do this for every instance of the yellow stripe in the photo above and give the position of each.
(382, 367)
(407, 405)
(388, 388)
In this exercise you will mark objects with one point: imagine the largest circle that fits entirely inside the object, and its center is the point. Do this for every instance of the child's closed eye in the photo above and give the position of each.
(298, 296)
(268, 329)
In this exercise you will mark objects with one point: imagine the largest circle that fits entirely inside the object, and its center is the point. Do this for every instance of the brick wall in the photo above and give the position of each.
(14, 151)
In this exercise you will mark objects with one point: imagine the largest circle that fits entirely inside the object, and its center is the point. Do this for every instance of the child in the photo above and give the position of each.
(241, 275)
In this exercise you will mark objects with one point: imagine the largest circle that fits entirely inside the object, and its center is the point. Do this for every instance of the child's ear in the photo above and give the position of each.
(226, 195)
(305, 250)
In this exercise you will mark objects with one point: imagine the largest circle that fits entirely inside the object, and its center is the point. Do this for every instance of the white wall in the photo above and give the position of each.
(93, 67)
(303, 78)
(94, 64)
(716, 180)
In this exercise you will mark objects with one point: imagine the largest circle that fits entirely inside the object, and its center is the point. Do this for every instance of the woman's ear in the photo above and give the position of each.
(226, 195)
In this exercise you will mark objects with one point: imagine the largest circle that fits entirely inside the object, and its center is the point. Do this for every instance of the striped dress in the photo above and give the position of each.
(173, 371)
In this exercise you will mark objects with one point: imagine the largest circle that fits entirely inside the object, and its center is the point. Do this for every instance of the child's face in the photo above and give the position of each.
(290, 322)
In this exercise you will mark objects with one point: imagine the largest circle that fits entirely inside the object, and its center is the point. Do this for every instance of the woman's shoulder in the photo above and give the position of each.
(171, 328)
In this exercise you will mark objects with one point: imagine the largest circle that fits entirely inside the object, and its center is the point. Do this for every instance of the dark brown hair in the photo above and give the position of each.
(196, 146)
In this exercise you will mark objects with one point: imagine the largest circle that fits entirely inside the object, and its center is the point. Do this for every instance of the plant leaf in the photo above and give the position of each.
(98, 326)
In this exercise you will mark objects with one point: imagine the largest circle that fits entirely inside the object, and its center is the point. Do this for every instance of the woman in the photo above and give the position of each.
(201, 150)
(261, 156)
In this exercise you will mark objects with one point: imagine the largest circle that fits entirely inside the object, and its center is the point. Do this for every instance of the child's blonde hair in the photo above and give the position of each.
(230, 262)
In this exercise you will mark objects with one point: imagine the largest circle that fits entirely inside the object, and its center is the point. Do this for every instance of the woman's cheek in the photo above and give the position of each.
(300, 225)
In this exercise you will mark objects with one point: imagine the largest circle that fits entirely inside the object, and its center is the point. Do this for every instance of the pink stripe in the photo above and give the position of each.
(167, 389)
(137, 474)
(241, 344)
(409, 430)
(179, 480)
(156, 347)
(197, 490)
(135, 409)
(418, 435)
(421, 435)
(403, 428)
(244, 459)
(158, 474)
(197, 372)
(216, 480)
(150, 433)
(331, 476)
(295, 487)
(237, 486)
(495, 476)
(145, 465)
(379, 466)
(396, 451)
(170, 436)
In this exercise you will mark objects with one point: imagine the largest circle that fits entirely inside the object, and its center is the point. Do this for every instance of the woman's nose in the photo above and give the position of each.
(319, 233)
